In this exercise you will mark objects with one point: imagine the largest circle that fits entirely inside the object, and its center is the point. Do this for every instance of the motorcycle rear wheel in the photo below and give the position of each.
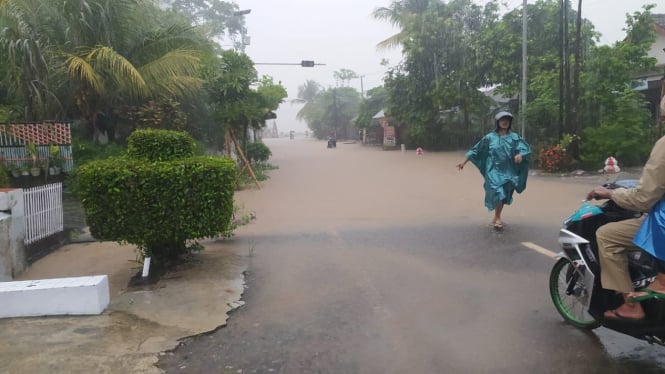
(571, 307)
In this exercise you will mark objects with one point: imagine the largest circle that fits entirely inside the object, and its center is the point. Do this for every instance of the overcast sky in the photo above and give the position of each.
(342, 34)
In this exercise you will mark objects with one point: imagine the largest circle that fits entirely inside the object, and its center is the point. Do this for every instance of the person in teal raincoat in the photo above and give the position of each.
(502, 157)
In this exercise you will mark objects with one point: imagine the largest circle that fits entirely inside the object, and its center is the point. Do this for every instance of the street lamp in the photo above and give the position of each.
(244, 38)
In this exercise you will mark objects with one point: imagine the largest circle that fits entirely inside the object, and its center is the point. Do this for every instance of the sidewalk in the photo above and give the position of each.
(139, 323)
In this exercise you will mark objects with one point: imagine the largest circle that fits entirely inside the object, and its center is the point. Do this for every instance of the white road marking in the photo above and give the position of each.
(539, 249)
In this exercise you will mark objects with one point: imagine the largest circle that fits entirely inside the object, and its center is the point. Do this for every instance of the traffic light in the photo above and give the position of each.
(307, 63)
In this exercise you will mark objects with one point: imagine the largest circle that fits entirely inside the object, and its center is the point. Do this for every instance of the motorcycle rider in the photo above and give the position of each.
(616, 238)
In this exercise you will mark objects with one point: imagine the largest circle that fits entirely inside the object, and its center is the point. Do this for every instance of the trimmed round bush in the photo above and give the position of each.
(158, 197)
(258, 152)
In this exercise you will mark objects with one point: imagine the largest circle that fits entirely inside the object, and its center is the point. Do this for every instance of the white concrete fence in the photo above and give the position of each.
(43, 212)
(25, 218)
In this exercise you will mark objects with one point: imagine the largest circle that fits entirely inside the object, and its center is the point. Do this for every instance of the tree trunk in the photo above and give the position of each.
(562, 52)
(574, 149)
(566, 57)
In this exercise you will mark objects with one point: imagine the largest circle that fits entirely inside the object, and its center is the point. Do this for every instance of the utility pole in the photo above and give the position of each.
(303, 63)
(335, 112)
(524, 78)
(362, 89)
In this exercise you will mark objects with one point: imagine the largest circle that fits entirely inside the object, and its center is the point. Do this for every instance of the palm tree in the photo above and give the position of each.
(95, 55)
(25, 52)
(308, 94)
(399, 13)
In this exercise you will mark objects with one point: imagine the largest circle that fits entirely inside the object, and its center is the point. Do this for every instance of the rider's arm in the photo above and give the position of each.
(651, 187)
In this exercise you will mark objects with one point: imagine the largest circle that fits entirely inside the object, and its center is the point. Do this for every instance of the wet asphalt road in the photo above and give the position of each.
(384, 275)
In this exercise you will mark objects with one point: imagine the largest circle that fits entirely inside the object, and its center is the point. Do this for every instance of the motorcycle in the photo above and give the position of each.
(574, 281)
(332, 143)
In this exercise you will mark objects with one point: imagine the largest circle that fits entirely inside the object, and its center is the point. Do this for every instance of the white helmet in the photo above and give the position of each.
(500, 115)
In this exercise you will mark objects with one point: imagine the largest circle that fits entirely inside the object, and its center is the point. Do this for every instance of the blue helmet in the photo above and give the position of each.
(500, 115)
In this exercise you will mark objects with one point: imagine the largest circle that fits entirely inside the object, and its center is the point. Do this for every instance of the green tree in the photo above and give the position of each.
(334, 112)
(308, 93)
(84, 58)
(610, 103)
(237, 104)
(622, 134)
(377, 99)
(399, 14)
(435, 90)
(344, 76)
(218, 17)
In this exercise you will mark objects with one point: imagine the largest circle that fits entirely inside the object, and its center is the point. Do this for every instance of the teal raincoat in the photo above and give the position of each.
(494, 155)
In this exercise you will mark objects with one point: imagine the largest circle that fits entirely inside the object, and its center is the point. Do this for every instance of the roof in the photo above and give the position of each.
(378, 115)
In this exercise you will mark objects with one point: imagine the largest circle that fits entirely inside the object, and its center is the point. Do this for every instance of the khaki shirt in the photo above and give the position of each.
(651, 187)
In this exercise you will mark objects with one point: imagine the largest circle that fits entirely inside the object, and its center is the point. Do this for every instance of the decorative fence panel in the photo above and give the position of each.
(14, 137)
(43, 212)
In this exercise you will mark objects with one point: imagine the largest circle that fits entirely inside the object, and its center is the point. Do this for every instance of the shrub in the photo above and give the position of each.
(625, 133)
(556, 158)
(162, 207)
(160, 145)
(258, 152)
(549, 159)
(85, 150)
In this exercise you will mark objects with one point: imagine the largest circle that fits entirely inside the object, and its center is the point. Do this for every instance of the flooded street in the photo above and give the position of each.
(365, 261)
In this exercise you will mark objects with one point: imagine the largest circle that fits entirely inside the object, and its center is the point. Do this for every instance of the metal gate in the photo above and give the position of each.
(43, 212)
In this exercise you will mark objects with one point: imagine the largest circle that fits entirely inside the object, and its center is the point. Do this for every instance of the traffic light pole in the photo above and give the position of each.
(303, 63)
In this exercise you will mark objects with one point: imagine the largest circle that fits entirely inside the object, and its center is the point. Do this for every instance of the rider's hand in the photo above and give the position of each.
(518, 158)
(599, 193)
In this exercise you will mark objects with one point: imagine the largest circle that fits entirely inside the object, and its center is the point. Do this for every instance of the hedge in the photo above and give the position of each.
(158, 206)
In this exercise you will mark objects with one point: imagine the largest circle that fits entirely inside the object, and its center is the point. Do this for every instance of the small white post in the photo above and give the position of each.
(146, 267)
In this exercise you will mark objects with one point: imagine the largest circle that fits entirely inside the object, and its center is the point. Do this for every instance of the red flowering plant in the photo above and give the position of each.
(555, 158)
(549, 159)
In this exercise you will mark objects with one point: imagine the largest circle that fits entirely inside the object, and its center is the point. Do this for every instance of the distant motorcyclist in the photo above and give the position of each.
(332, 141)
(647, 232)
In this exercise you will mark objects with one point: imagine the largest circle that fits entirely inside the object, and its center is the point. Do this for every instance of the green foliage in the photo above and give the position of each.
(270, 95)
(377, 99)
(165, 115)
(258, 152)
(557, 157)
(160, 145)
(161, 206)
(624, 133)
(158, 206)
(230, 86)
(442, 70)
(240, 99)
(217, 16)
(333, 111)
(85, 150)
(260, 169)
